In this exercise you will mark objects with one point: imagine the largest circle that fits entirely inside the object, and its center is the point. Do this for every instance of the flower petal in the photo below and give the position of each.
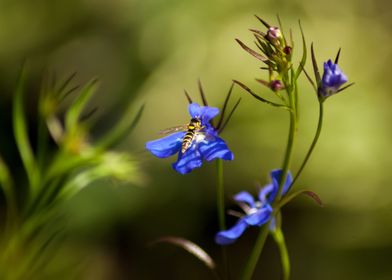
(215, 148)
(231, 235)
(275, 176)
(260, 217)
(245, 197)
(208, 113)
(195, 110)
(266, 192)
(166, 146)
(188, 161)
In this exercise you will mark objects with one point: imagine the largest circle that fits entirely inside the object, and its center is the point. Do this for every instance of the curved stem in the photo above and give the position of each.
(254, 257)
(256, 252)
(284, 255)
(289, 152)
(220, 200)
(315, 139)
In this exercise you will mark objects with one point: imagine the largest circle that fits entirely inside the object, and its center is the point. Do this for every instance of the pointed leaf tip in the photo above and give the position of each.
(314, 196)
(337, 56)
(190, 247)
(252, 52)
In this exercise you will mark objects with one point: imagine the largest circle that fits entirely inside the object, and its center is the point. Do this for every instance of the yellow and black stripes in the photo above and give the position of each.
(193, 126)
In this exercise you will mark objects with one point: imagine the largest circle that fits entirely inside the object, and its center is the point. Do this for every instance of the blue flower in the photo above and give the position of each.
(206, 145)
(257, 213)
(333, 78)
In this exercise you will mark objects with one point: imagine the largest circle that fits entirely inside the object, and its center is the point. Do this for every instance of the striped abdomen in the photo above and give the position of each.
(193, 126)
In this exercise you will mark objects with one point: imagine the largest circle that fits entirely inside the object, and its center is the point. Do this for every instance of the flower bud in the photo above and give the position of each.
(333, 78)
(276, 85)
(274, 34)
(288, 50)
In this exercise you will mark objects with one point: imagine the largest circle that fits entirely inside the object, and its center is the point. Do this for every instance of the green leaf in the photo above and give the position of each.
(21, 134)
(252, 52)
(304, 54)
(123, 128)
(260, 98)
(315, 67)
(73, 114)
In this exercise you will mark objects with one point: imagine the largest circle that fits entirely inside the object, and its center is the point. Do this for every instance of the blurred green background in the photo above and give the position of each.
(148, 51)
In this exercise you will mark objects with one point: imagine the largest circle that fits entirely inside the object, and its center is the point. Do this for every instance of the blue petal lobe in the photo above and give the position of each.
(166, 146)
(275, 176)
(245, 197)
(215, 148)
(267, 191)
(195, 110)
(231, 235)
(188, 161)
(260, 217)
(208, 113)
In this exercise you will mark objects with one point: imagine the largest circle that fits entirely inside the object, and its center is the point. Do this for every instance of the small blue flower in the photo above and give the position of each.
(206, 144)
(257, 213)
(333, 78)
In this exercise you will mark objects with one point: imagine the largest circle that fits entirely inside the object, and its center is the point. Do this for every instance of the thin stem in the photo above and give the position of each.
(255, 255)
(220, 195)
(284, 255)
(252, 262)
(290, 142)
(220, 199)
(315, 139)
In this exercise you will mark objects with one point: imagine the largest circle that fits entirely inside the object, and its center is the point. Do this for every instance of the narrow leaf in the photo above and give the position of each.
(304, 54)
(230, 115)
(315, 67)
(123, 128)
(76, 109)
(188, 97)
(286, 199)
(66, 83)
(190, 247)
(224, 107)
(263, 22)
(258, 97)
(337, 56)
(203, 96)
(252, 52)
(345, 87)
(309, 78)
(281, 29)
(21, 133)
(258, 32)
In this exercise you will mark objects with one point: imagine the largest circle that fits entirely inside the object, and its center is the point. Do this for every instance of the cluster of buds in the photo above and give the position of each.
(274, 51)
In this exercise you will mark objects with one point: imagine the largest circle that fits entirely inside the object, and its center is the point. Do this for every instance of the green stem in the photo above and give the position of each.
(284, 255)
(255, 255)
(315, 139)
(289, 152)
(220, 199)
(220, 192)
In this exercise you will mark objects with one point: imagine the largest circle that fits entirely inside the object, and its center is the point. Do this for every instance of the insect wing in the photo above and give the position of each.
(174, 129)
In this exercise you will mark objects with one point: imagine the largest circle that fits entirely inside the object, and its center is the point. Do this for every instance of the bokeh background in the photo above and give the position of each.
(150, 51)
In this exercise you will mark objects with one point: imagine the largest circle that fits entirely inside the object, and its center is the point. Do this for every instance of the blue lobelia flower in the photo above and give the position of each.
(257, 213)
(333, 78)
(205, 144)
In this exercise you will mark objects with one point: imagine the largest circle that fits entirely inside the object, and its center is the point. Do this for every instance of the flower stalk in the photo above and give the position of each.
(314, 142)
(278, 236)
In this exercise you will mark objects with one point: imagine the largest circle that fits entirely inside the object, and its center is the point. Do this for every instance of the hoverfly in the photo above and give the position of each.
(192, 128)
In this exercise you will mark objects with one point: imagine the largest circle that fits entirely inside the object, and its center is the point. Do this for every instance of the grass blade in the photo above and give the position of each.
(21, 134)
